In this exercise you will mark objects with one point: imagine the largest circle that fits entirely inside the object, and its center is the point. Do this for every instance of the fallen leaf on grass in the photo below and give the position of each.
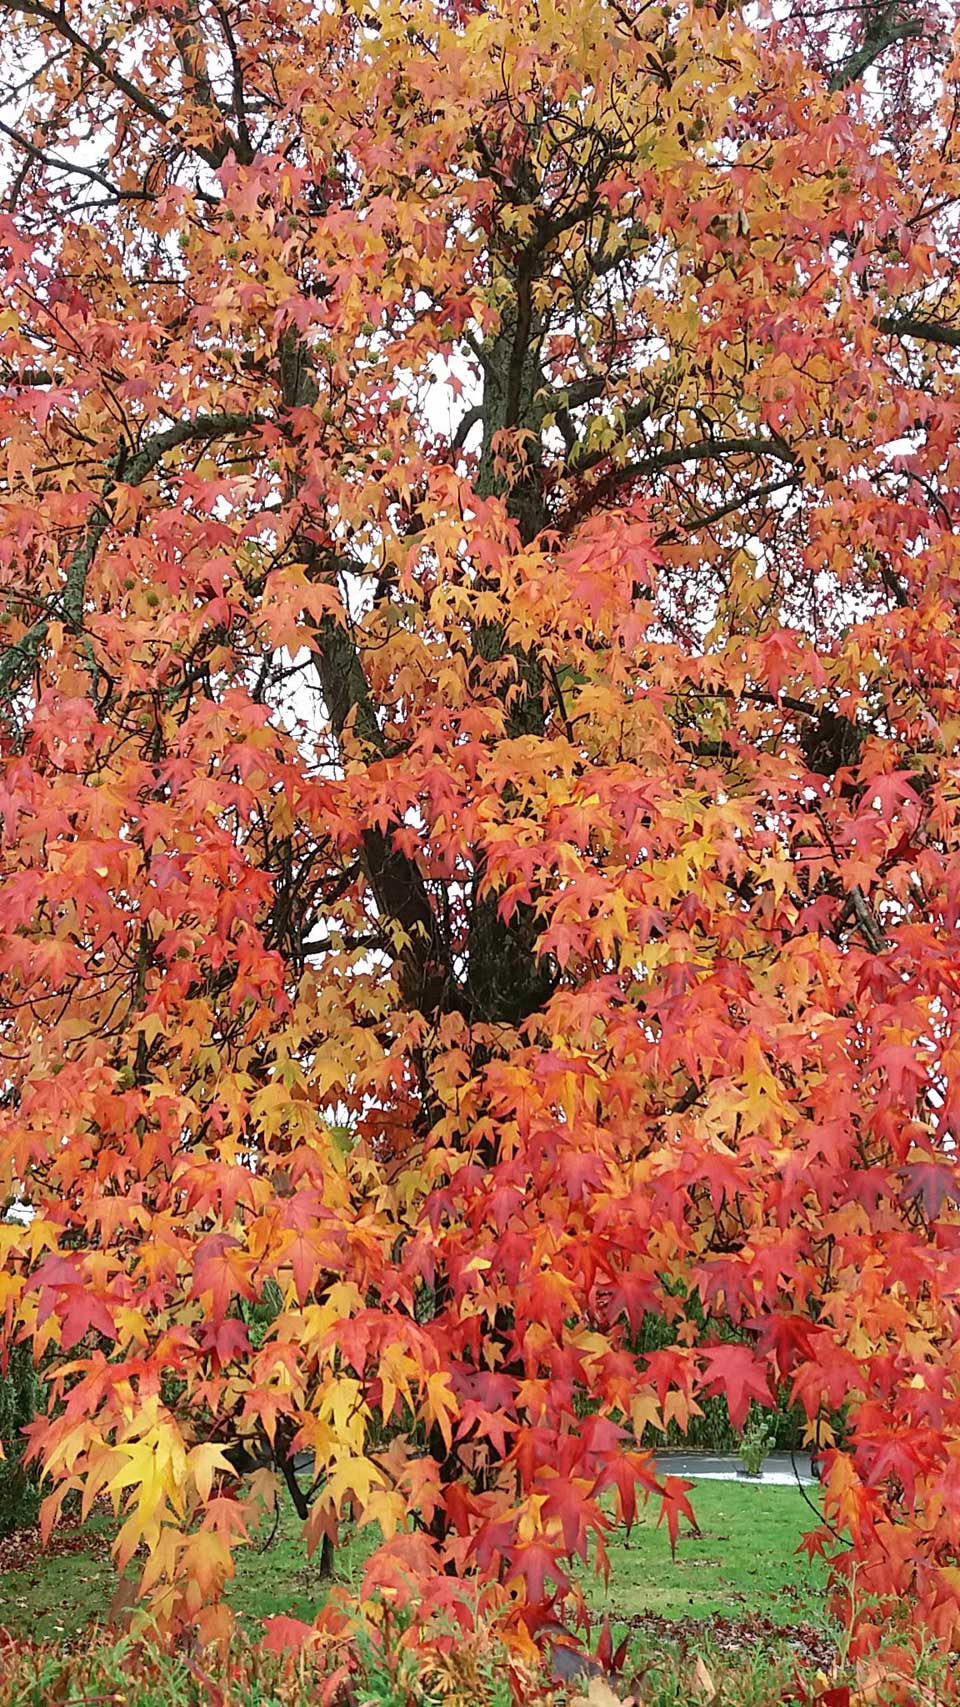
(598, 1694)
(703, 1680)
(733, 1636)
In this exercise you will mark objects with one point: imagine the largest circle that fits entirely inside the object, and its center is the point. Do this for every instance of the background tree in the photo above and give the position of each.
(479, 781)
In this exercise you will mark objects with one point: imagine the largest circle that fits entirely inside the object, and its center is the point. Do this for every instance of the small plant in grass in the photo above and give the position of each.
(675, 1678)
(756, 1443)
(444, 1663)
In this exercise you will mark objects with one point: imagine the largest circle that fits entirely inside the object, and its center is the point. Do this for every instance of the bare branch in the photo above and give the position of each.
(857, 903)
(59, 163)
(693, 523)
(701, 450)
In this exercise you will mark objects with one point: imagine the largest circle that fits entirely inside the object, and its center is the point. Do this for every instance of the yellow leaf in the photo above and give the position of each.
(202, 1462)
(703, 1680)
(354, 1478)
(387, 1508)
(644, 1409)
(598, 1694)
(440, 1405)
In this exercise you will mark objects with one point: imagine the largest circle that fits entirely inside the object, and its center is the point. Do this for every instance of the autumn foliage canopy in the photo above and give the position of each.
(480, 783)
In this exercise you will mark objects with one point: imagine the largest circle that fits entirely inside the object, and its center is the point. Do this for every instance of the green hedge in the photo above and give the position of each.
(713, 1432)
(19, 1396)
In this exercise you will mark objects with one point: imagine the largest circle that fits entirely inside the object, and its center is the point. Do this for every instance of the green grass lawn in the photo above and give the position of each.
(48, 1595)
(742, 1563)
(281, 1579)
(57, 1594)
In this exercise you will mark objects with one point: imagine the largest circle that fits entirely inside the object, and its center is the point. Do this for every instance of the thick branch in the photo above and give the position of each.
(396, 881)
(190, 51)
(885, 30)
(19, 659)
(925, 331)
(465, 428)
(857, 903)
(702, 450)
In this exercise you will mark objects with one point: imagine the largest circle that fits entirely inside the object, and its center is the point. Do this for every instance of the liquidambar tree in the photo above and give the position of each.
(481, 766)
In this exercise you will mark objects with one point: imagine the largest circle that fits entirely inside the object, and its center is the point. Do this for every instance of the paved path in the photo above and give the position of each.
(778, 1469)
